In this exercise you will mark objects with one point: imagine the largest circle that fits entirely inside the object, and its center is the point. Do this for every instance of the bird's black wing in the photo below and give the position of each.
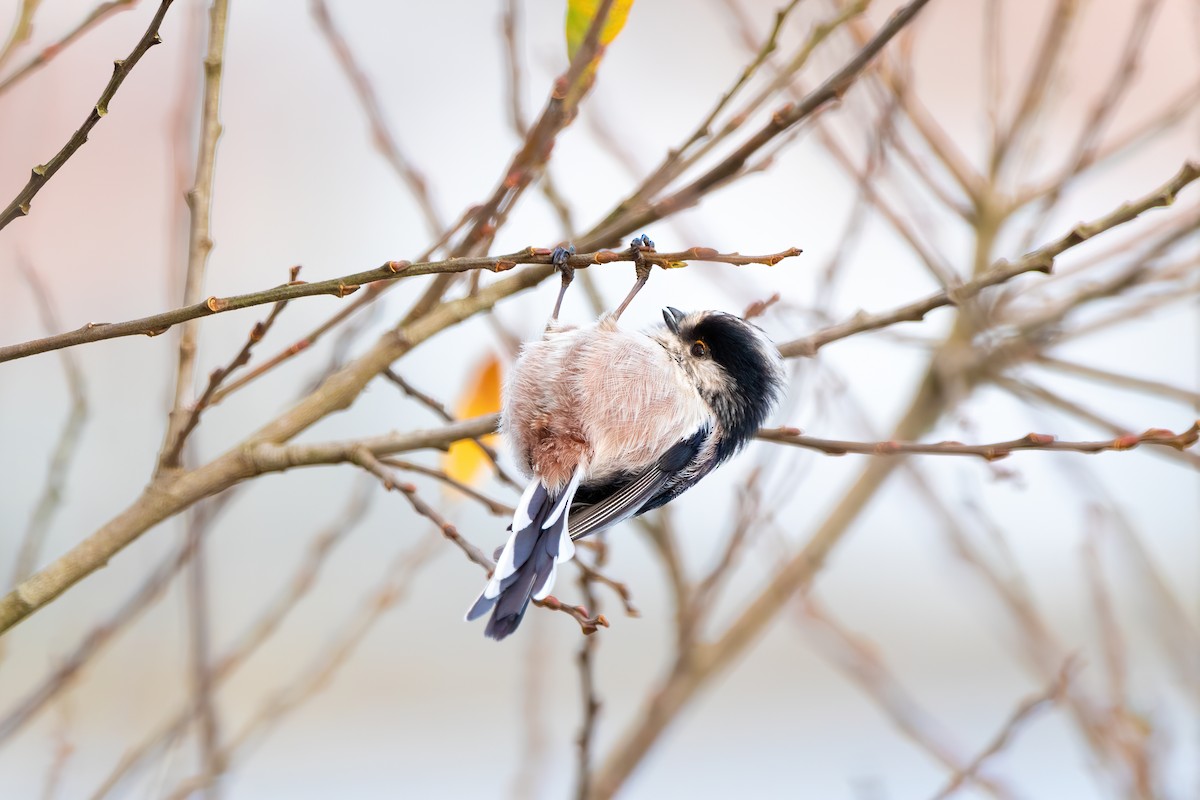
(627, 496)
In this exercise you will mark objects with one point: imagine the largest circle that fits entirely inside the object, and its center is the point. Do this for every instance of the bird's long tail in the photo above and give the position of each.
(527, 565)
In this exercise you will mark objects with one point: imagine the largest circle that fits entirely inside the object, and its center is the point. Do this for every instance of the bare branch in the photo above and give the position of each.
(42, 173)
(439, 408)
(493, 506)
(348, 284)
(988, 452)
(217, 377)
(364, 458)
(199, 201)
(1040, 260)
(94, 18)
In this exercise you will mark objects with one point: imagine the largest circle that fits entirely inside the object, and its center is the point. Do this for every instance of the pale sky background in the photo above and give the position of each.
(427, 706)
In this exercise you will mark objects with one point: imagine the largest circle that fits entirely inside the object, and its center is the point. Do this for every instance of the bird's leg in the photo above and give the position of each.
(642, 268)
(559, 258)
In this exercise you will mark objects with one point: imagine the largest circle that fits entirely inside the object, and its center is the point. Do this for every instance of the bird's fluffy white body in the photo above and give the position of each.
(597, 400)
(621, 422)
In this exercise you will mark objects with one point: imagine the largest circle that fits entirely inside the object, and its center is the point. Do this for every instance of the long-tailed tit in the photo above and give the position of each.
(609, 424)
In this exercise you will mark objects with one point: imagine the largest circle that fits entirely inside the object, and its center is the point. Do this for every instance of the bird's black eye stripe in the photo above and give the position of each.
(699, 348)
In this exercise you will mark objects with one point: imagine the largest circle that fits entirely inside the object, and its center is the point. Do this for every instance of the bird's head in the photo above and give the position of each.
(736, 368)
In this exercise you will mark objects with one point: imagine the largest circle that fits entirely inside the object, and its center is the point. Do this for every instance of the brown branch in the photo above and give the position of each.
(933, 135)
(218, 376)
(621, 590)
(641, 214)
(200, 244)
(988, 452)
(672, 165)
(588, 623)
(347, 284)
(439, 408)
(493, 506)
(819, 33)
(1044, 396)
(483, 220)
(364, 458)
(1040, 260)
(42, 173)
(1084, 151)
(382, 136)
(94, 18)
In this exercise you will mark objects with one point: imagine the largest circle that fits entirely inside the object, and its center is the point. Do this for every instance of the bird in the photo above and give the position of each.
(610, 423)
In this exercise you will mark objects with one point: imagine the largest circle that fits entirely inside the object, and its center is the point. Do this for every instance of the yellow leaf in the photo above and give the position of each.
(580, 14)
(465, 461)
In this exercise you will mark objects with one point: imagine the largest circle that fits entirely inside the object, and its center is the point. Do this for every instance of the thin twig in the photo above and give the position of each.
(989, 452)
(1088, 140)
(642, 213)
(439, 408)
(1040, 260)
(44, 56)
(42, 173)
(199, 201)
(493, 506)
(218, 376)
(620, 589)
(367, 460)
(348, 284)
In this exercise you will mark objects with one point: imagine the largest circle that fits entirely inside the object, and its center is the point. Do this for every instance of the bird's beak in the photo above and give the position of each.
(673, 316)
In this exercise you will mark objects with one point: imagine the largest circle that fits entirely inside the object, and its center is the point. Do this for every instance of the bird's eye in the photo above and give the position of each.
(699, 349)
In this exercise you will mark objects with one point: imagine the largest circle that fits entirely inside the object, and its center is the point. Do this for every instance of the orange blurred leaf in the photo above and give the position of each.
(465, 461)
